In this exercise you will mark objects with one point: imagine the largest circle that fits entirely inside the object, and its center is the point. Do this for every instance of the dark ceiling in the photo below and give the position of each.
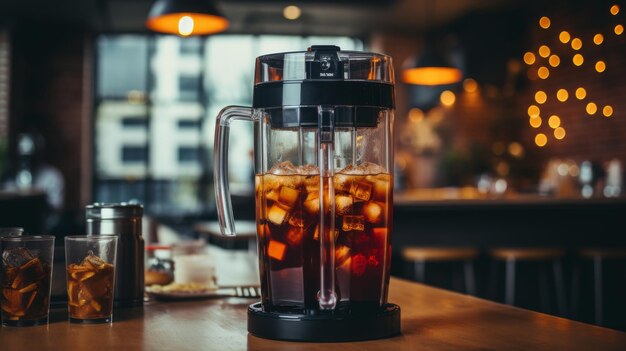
(319, 17)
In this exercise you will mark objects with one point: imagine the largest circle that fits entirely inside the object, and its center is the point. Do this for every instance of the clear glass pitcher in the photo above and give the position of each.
(323, 136)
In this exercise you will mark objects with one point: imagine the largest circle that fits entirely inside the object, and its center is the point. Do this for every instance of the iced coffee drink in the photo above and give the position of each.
(90, 289)
(288, 217)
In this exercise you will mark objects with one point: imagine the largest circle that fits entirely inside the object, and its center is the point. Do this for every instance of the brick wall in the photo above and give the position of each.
(51, 92)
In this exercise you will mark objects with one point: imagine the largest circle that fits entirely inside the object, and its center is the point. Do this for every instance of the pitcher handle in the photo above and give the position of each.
(220, 159)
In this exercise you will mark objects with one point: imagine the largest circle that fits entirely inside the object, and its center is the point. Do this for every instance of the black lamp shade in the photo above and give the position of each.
(186, 17)
(431, 68)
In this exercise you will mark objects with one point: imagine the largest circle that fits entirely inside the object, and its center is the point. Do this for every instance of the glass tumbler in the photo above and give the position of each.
(26, 270)
(90, 277)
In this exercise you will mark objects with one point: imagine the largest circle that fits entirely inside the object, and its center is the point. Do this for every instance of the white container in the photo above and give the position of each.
(196, 268)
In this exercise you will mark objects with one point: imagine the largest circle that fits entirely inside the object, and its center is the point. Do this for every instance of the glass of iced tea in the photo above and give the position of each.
(90, 277)
(26, 269)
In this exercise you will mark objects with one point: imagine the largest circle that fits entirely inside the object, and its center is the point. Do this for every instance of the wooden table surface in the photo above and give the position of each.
(432, 319)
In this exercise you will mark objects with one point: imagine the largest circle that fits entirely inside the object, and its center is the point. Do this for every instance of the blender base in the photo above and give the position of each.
(384, 323)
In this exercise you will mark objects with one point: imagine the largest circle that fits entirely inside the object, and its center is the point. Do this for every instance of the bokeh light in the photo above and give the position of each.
(562, 95)
(581, 93)
(554, 60)
(564, 37)
(598, 39)
(535, 122)
(416, 115)
(541, 97)
(591, 108)
(447, 98)
(544, 51)
(470, 85)
(533, 111)
(607, 111)
(543, 72)
(529, 58)
(577, 43)
(619, 29)
(614, 10)
(544, 22)
(541, 140)
(559, 133)
(600, 66)
(578, 59)
(554, 121)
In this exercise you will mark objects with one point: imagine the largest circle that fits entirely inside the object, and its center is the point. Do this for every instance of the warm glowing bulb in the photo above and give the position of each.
(470, 85)
(581, 93)
(533, 111)
(554, 121)
(516, 149)
(614, 10)
(416, 115)
(544, 22)
(598, 39)
(591, 108)
(185, 25)
(544, 51)
(447, 98)
(535, 122)
(540, 97)
(577, 44)
(292, 12)
(541, 140)
(600, 66)
(529, 58)
(564, 37)
(607, 111)
(619, 29)
(559, 133)
(562, 95)
(543, 72)
(578, 59)
(554, 60)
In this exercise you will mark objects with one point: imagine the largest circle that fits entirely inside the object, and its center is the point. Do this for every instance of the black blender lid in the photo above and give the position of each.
(324, 75)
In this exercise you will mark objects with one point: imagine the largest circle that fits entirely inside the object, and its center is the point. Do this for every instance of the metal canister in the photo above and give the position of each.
(124, 220)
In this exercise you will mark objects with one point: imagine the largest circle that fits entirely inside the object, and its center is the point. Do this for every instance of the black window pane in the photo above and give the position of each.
(188, 154)
(188, 124)
(134, 122)
(134, 154)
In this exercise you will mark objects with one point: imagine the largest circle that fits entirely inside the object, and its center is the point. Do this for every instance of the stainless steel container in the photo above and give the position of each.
(123, 220)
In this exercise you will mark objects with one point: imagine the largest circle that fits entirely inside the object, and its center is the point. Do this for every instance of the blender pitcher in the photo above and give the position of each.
(323, 136)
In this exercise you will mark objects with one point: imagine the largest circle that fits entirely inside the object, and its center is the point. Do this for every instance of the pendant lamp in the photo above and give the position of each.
(186, 17)
(430, 68)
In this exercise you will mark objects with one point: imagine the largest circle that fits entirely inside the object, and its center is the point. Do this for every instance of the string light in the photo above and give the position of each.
(535, 122)
(598, 39)
(470, 85)
(541, 140)
(544, 22)
(581, 93)
(564, 37)
(600, 66)
(577, 44)
(614, 10)
(559, 133)
(591, 108)
(416, 115)
(578, 59)
(554, 60)
(533, 111)
(543, 72)
(554, 121)
(544, 51)
(447, 98)
(562, 95)
(541, 97)
(619, 29)
(529, 58)
(607, 111)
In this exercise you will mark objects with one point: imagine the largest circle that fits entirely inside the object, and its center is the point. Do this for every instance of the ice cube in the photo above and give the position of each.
(271, 182)
(288, 196)
(276, 250)
(342, 182)
(92, 260)
(361, 190)
(16, 256)
(299, 219)
(307, 170)
(294, 236)
(342, 253)
(312, 203)
(343, 203)
(373, 212)
(272, 195)
(28, 273)
(283, 168)
(363, 169)
(350, 222)
(359, 264)
(345, 266)
(381, 186)
(312, 183)
(276, 214)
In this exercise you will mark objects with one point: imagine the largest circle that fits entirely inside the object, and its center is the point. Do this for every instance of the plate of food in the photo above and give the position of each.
(186, 291)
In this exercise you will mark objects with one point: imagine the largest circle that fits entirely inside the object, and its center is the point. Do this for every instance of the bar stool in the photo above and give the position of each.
(598, 256)
(513, 255)
(419, 256)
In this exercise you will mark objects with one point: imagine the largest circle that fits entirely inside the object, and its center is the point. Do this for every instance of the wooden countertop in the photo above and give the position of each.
(432, 319)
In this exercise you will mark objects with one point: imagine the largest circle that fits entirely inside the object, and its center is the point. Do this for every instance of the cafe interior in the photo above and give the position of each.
(508, 136)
